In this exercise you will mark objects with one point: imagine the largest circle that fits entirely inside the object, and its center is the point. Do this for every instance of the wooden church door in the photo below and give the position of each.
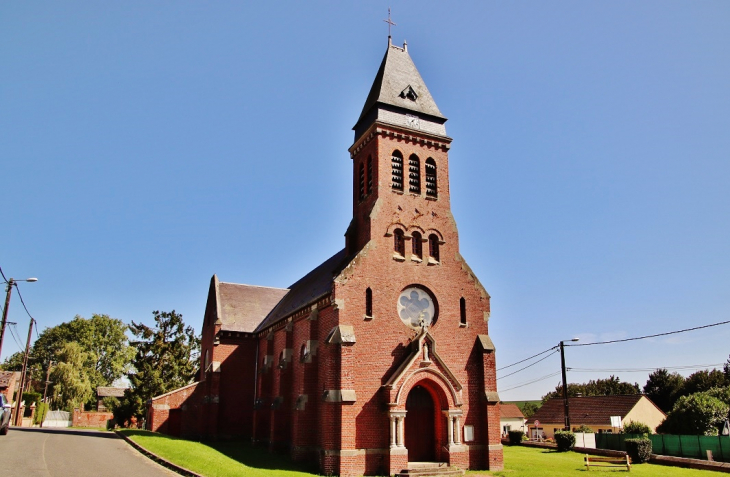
(420, 423)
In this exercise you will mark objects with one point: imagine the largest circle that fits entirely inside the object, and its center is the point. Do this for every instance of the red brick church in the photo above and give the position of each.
(381, 355)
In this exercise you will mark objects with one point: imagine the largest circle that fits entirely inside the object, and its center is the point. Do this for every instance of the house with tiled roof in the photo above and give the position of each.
(595, 412)
(381, 355)
(511, 419)
(8, 383)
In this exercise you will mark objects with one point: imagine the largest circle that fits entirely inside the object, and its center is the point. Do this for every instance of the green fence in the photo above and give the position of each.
(694, 447)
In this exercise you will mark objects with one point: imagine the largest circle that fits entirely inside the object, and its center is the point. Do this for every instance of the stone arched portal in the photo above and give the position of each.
(420, 425)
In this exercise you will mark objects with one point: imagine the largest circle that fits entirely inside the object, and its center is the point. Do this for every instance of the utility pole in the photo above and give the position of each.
(18, 417)
(8, 291)
(48, 380)
(566, 410)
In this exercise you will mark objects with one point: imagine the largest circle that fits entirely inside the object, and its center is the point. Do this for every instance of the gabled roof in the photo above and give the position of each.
(105, 391)
(588, 409)
(313, 286)
(507, 411)
(243, 307)
(399, 84)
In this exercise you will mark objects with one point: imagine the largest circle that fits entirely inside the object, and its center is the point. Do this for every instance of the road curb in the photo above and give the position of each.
(163, 462)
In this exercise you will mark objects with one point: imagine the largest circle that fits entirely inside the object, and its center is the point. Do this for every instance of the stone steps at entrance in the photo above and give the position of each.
(425, 469)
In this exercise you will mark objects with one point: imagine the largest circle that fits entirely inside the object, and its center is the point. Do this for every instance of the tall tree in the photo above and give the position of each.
(704, 380)
(664, 388)
(166, 358)
(72, 385)
(598, 387)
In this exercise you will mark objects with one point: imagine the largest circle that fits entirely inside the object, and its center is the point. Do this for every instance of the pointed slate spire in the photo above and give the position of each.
(399, 96)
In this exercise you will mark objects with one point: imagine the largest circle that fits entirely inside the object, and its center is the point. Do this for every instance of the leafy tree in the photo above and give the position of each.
(166, 359)
(585, 429)
(599, 387)
(664, 388)
(102, 340)
(726, 370)
(636, 427)
(701, 381)
(696, 414)
(14, 362)
(528, 409)
(72, 385)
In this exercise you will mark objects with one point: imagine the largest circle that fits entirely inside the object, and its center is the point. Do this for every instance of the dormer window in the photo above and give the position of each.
(397, 174)
(409, 93)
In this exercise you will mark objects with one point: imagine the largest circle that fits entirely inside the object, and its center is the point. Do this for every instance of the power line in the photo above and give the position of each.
(17, 288)
(526, 359)
(547, 376)
(651, 336)
(1, 273)
(529, 365)
(15, 337)
(640, 370)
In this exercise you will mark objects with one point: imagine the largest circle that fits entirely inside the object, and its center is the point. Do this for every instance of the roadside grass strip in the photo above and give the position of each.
(530, 461)
(217, 459)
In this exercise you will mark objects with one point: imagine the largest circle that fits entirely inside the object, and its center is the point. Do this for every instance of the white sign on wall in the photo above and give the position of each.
(616, 421)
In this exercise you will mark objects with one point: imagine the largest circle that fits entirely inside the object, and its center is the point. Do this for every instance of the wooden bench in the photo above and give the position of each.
(619, 461)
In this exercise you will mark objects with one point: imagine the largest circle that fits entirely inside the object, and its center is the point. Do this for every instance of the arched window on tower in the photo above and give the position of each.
(431, 184)
(462, 311)
(369, 302)
(397, 174)
(362, 181)
(399, 244)
(414, 174)
(417, 245)
(433, 247)
(370, 175)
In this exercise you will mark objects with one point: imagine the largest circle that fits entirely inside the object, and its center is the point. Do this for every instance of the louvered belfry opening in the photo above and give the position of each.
(362, 181)
(414, 174)
(370, 174)
(397, 164)
(431, 184)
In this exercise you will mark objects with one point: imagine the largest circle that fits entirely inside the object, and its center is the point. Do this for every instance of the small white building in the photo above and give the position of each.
(511, 419)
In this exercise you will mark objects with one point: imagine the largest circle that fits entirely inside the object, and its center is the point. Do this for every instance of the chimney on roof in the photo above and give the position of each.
(405, 45)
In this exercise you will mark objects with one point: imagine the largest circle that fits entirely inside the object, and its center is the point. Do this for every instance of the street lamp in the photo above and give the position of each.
(565, 385)
(8, 289)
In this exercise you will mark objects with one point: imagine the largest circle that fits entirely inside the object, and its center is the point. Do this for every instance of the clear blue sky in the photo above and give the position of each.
(145, 146)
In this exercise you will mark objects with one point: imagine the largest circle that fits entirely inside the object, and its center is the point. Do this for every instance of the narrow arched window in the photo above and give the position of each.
(362, 181)
(397, 174)
(399, 245)
(431, 184)
(433, 246)
(462, 310)
(417, 244)
(368, 302)
(370, 174)
(414, 174)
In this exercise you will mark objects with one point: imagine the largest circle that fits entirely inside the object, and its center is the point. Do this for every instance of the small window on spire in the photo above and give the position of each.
(414, 174)
(431, 184)
(370, 174)
(362, 181)
(397, 175)
(409, 93)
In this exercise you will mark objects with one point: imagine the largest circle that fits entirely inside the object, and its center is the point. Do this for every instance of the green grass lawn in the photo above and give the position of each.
(240, 458)
(530, 461)
(217, 459)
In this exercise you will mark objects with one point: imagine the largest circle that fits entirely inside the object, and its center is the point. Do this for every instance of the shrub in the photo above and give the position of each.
(636, 427)
(565, 440)
(639, 450)
(515, 437)
(40, 413)
(585, 429)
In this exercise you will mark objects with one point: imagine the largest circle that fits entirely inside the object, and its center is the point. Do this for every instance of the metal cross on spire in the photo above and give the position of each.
(389, 22)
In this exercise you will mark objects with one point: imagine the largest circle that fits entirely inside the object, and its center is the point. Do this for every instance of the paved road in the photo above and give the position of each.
(33, 452)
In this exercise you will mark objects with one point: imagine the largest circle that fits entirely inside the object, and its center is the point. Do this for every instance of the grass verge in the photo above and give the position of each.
(217, 459)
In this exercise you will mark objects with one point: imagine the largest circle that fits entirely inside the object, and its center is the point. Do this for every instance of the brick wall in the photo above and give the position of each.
(90, 419)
